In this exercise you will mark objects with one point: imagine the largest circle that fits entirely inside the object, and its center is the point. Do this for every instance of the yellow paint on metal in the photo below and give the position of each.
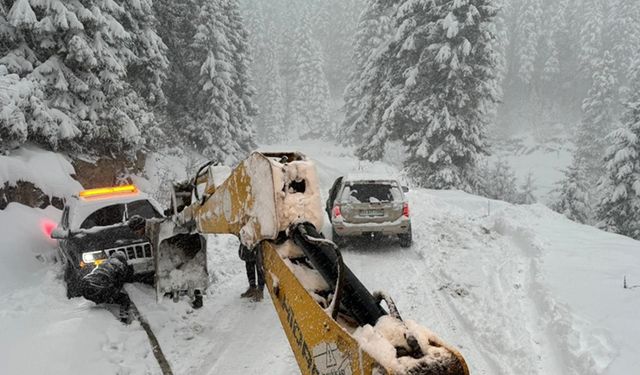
(108, 191)
(319, 343)
(229, 209)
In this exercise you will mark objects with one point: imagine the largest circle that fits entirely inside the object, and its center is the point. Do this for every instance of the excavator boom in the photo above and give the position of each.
(334, 325)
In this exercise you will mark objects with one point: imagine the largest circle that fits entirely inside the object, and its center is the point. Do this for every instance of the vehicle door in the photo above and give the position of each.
(333, 193)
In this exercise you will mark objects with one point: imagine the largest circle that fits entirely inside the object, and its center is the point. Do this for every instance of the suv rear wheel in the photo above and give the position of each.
(406, 239)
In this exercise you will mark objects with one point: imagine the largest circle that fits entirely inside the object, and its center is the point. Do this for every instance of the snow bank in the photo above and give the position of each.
(42, 331)
(49, 171)
(532, 289)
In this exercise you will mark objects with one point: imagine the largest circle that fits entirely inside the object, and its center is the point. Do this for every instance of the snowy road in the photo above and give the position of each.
(519, 289)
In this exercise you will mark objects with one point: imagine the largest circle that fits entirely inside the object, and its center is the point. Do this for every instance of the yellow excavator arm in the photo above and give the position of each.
(334, 325)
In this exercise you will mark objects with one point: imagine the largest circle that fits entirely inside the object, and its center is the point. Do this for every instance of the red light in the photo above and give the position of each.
(336, 211)
(47, 227)
(405, 209)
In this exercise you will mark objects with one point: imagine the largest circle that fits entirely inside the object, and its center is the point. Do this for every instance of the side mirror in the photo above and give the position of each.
(405, 189)
(59, 234)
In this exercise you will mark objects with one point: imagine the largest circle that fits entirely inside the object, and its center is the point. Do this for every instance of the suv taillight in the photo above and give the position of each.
(336, 211)
(405, 209)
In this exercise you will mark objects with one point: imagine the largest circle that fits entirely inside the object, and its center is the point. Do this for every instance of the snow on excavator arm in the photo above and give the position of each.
(333, 323)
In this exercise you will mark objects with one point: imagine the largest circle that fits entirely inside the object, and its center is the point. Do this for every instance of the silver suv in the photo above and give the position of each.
(367, 206)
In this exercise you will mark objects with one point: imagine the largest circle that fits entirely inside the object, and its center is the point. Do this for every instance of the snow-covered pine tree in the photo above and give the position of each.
(527, 190)
(573, 194)
(77, 58)
(221, 105)
(243, 107)
(591, 36)
(529, 35)
(273, 111)
(374, 30)
(554, 27)
(261, 40)
(624, 35)
(619, 208)
(440, 79)
(499, 182)
(502, 31)
(310, 105)
(599, 118)
(148, 70)
(177, 31)
(147, 67)
(335, 32)
(288, 15)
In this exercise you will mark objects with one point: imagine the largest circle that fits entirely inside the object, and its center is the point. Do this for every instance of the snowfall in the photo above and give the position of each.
(518, 289)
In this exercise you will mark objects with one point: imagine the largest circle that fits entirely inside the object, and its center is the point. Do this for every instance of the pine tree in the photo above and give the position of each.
(554, 27)
(177, 31)
(599, 118)
(619, 208)
(310, 106)
(208, 89)
(273, 112)
(624, 35)
(78, 60)
(243, 108)
(263, 46)
(222, 102)
(148, 71)
(499, 182)
(374, 29)
(335, 30)
(574, 199)
(529, 35)
(440, 85)
(591, 36)
(527, 190)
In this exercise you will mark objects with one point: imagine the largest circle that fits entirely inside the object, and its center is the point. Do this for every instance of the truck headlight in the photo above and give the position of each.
(93, 256)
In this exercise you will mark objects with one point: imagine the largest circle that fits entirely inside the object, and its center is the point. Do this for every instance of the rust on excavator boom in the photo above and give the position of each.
(271, 201)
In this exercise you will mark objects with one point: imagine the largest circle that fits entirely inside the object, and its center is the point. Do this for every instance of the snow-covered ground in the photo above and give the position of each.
(42, 332)
(519, 289)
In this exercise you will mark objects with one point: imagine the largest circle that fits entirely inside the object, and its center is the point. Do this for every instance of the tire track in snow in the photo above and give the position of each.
(405, 275)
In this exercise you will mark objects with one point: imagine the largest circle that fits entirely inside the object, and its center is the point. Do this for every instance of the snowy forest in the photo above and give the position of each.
(444, 84)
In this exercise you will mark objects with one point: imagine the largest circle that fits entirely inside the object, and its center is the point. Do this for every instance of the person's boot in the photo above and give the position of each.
(249, 293)
(259, 295)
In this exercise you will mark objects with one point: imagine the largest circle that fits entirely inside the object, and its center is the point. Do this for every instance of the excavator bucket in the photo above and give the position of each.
(180, 261)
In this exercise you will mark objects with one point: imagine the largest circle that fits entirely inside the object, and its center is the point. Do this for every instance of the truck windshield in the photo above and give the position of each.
(370, 193)
(105, 216)
(142, 208)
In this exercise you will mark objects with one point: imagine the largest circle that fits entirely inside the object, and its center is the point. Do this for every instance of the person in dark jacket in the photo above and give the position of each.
(253, 263)
(104, 283)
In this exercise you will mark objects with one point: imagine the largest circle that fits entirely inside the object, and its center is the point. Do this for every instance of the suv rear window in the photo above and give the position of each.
(370, 193)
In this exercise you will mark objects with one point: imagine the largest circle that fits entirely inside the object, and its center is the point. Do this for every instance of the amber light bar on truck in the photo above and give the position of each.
(102, 192)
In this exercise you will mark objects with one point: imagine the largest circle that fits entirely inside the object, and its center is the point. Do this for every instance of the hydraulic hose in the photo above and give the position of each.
(356, 299)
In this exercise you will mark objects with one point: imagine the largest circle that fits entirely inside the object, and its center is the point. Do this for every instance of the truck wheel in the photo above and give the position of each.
(406, 239)
(72, 279)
